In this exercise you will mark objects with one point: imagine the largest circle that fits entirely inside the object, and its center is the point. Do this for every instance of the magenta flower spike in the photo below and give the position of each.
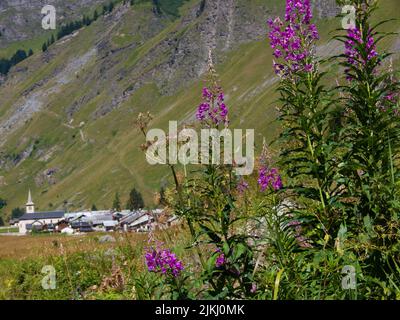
(269, 178)
(213, 109)
(163, 261)
(353, 46)
(220, 259)
(292, 41)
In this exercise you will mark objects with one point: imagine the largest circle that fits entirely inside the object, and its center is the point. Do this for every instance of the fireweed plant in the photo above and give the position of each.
(212, 193)
(308, 154)
(327, 200)
(206, 198)
(371, 131)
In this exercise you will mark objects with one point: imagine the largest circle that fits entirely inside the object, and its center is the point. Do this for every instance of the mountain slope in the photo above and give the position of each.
(66, 116)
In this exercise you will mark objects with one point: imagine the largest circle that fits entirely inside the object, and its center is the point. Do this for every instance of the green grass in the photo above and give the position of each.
(8, 229)
(171, 7)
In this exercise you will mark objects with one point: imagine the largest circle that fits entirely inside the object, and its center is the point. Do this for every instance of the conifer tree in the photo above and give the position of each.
(135, 201)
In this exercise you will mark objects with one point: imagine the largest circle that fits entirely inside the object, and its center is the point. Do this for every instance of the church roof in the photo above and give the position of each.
(43, 215)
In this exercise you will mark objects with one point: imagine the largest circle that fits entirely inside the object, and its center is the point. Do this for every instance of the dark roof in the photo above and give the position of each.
(80, 224)
(43, 215)
(85, 229)
(130, 218)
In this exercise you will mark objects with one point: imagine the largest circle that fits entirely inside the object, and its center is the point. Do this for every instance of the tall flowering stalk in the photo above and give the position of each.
(268, 176)
(307, 151)
(371, 130)
(213, 110)
(212, 193)
(206, 199)
(371, 125)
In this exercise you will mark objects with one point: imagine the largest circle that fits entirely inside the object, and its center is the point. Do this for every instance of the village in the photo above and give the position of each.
(79, 222)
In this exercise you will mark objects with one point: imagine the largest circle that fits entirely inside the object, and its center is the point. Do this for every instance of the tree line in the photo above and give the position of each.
(72, 26)
(18, 56)
(67, 29)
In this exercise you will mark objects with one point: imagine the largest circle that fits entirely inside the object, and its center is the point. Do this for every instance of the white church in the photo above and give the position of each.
(32, 219)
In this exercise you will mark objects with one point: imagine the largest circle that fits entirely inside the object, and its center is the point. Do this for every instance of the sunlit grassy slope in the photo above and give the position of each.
(108, 158)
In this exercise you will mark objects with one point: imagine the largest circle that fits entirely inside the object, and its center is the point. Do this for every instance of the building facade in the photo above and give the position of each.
(32, 220)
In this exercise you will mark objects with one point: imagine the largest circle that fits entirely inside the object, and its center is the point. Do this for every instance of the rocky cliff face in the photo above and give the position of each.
(216, 25)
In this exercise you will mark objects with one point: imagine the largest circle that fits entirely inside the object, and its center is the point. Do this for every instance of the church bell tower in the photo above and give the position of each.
(30, 206)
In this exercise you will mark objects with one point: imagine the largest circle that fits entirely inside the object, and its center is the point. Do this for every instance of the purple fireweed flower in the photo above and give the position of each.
(220, 259)
(253, 288)
(298, 9)
(269, 178)
(293, 40)
(391, 97)
(212, 110)
(354, 46)
(390, 103)
(163, 261)
(213, 106)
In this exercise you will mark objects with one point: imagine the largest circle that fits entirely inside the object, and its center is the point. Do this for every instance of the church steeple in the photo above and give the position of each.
(30, 206)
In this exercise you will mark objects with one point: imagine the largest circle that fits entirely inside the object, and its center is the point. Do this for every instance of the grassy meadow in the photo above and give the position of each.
(85, 268)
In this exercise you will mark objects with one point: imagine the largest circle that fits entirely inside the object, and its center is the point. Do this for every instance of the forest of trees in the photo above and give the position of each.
(19, 55)
(72, 26)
